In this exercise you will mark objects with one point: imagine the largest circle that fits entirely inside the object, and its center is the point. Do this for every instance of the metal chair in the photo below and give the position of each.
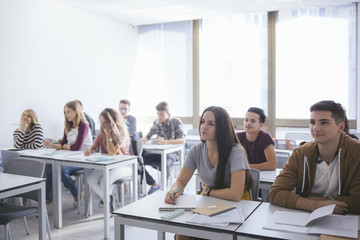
(254, 191)
(284, 144)
(135, 149)
(26, 167)
(298, 136)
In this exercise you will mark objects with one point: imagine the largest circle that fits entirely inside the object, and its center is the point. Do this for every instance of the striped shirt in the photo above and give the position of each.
(29, 140)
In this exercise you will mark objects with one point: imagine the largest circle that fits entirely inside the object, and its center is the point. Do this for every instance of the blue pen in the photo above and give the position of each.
(326, 194)
(176, 192)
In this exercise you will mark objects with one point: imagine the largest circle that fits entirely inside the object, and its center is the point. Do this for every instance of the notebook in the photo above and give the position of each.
(184, 201)
(213, 209)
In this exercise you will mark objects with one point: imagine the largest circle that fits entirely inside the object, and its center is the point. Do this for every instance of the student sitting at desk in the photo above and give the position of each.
(113, 138)
(325, 170)
(124, 109)
(219, 159)
(30, 134)
(258, 143)
(76, 137)
(169, 131)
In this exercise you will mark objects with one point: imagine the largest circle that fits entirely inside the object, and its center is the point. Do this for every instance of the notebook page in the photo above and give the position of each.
(184, 201)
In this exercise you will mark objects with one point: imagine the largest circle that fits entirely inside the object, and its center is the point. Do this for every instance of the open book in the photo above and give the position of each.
(184, 201)
(320, 221)
(221, 220)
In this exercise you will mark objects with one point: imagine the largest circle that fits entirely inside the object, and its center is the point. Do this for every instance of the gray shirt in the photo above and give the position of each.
(197, 159)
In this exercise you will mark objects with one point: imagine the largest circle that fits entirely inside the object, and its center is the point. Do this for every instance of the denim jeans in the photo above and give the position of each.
(154, 160)
(67, 180)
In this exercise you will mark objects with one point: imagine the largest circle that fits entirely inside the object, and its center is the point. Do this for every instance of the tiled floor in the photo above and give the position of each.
(77, 226)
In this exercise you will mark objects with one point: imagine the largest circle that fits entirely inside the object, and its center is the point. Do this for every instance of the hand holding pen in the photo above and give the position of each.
(344, 209)
(171, 196)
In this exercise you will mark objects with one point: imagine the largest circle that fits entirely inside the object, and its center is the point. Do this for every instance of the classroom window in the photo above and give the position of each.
(163, 69)
(315, 59)
(233, 63)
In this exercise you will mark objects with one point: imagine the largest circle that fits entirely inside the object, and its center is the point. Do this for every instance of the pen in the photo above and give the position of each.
(176, 192)
(326, 194)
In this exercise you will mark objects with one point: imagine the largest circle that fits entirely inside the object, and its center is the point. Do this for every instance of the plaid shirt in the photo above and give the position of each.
(173, 129)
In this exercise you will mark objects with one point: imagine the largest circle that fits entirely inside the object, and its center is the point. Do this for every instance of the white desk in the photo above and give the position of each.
(253, 226)
(163, 150)
(144, 213)
(64, 158)
(12, 185)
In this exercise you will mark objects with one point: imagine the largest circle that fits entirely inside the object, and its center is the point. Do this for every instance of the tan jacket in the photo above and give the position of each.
(299, 172)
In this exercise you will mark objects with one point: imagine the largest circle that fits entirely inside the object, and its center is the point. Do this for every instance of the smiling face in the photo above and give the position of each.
(208, 127)
(252, 122)
(70, 114)
(323, 127)
(26, 117)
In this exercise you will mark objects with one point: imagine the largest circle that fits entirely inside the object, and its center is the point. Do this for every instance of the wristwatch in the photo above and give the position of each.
(110, 139)
(207, 191)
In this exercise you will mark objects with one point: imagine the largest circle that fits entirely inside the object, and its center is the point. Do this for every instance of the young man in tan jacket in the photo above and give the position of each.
(327, 166)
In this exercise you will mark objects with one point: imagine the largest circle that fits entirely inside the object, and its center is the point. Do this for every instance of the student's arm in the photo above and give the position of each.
(310, 204)
(235, 192)
(182, 180)
(111, 149)
(95, 145)
(271, 161)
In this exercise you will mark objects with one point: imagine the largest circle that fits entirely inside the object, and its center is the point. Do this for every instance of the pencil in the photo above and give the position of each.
(327, 195)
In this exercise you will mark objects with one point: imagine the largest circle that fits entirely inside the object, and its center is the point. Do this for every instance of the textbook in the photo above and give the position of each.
(213, 209)
(184, 201)
(320, 221)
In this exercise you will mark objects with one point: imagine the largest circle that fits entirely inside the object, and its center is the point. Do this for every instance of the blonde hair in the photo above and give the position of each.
(80, 117)
(119, 133)
(33, 116)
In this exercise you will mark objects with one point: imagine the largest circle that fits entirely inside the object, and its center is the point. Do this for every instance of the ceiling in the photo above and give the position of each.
(142, 12)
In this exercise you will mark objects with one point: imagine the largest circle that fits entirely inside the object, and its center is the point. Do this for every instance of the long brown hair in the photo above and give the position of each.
(226, 140)
(75, 106)
(119, 133)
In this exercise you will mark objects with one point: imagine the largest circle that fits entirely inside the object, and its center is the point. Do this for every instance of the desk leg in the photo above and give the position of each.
(119, 229)
(161, 235)
(135, 181)
(106, 203)
(163, 171)
(57, 195)
(88, 195)
(42, 211)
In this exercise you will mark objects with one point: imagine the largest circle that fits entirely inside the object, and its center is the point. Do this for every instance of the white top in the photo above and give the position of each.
(326, 178)
(73, 134)
(197, 158)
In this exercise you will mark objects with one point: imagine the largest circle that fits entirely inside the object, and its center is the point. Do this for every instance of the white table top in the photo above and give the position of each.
(147, 209)
(162, 147)
(11, 181)
(269, 176)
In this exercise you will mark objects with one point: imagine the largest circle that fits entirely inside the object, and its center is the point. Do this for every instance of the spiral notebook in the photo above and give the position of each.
(185, 201)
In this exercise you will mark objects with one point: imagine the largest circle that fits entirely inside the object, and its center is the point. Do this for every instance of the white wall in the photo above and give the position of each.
(51, 54)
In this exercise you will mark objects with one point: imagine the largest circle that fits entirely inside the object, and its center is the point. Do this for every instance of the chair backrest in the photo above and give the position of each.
(7, 155)
(298, 136)
(254, 191)
(285, 144)
(281, 159)
(26, 166)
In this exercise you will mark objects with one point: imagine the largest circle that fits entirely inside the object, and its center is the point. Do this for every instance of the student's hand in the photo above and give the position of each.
(87, 152)
(47, 144)
(160, 141)
(338, 208)
(23, 125)
(170, 198)
(143, 140)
